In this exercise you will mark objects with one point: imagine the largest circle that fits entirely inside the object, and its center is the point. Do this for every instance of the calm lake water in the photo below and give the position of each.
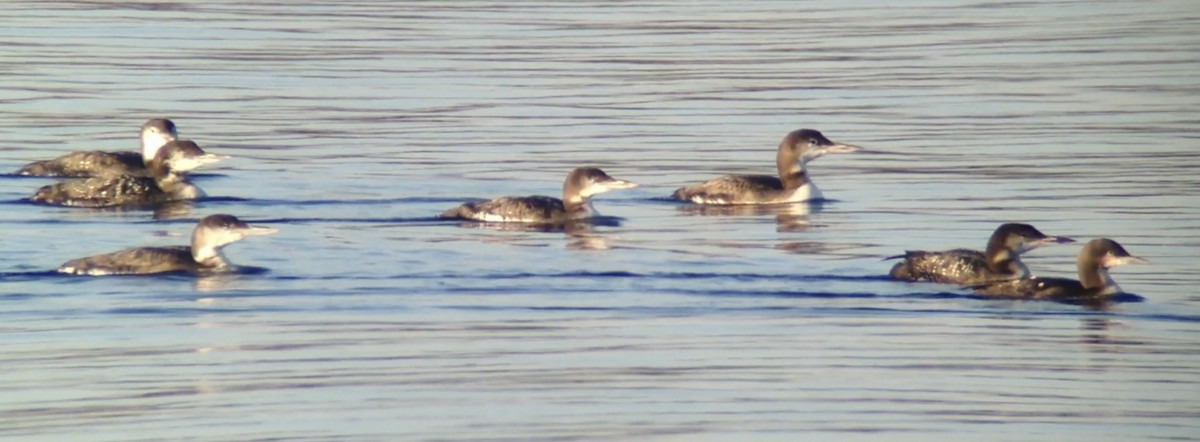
(353, 123)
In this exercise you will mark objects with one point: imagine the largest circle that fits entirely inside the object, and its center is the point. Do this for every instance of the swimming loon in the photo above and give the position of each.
(581, 184)
(204, 255)
(792, 185)
(155, 133)
(167, 182)
(1000, 261)
(1093, 262)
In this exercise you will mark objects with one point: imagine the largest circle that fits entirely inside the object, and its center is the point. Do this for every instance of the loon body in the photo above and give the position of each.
(581, 184)
(792, 185)
(167, 182)
(1000, 261)
(204, 255)
(155, 134)
(1093, 262)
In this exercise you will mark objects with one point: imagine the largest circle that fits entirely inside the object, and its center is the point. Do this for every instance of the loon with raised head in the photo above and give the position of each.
(1093, 262)
(204, 255)
(792, 185)
(155, 134)
(581, 184)
(1000, 261)
(167, 182)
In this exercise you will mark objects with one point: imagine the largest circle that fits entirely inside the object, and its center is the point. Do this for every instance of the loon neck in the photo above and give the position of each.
(794, 178)
(793, 170)
(1007, 262)
(151, 144)
(170, 180)
(208, 256)
(573, 202)
(1094, 276)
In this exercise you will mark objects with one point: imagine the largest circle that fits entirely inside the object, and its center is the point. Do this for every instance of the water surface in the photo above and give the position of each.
(353, 123)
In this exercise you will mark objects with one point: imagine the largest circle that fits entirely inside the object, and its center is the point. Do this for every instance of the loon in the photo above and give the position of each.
(204, 255)
(1001, 260)
(581, 184)
(167, 182)
(1093, 262)
(155, 134)
(796, 150)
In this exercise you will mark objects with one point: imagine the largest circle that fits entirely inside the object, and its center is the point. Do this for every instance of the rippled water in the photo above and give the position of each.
(353, 123)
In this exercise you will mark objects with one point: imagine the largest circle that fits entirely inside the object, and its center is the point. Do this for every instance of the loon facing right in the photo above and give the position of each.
(1093, 262)
(204, 255)
(792, 185)
(581, 184)
(1001, 260)
(166, 183)
(155, 134)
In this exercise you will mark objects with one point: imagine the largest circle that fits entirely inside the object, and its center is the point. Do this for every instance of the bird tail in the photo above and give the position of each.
(681, 194)
(459, 212)
(45, 194)
(38, 168)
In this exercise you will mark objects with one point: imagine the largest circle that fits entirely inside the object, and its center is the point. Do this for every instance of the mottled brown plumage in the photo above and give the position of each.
(581, 184)
(154, 134)
(542, 208)
(733, 188)
(141, 260)
(792, 185)
(165, 184)
(87, 164)
(950, 266)
(1092, 264)
(104, 192)
(203, 255)
(1000, 261)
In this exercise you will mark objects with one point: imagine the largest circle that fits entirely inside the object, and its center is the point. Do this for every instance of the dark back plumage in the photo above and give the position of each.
(536, 208)
(580, 185)
(84, 164)
(103, 191)
(1094, 281)
(733, 188)
(958, 266)
(1000, 261)
(136, 261)
(796, 149)
(210, 234)
(163, 185)
(87, 164)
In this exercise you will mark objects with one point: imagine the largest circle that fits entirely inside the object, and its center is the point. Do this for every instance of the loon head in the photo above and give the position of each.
(156, 133)
(1099, 255)
(585, 182)
(216, 231)
(800, 147)
(1020, 238)
(1009, 241)
(1106, 253)
(181, 156)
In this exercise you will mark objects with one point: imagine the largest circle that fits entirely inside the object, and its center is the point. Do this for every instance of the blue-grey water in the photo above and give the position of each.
(353, 123)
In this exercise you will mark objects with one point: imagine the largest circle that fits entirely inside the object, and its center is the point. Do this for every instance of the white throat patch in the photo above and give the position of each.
(152, 142)
(1110, 286)
(592, 190)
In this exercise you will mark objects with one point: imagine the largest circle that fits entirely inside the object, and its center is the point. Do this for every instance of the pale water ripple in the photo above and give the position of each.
(352, 124)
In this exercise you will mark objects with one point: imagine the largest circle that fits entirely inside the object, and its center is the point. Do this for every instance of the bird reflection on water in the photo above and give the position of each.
(582, 233)
(788, 217)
